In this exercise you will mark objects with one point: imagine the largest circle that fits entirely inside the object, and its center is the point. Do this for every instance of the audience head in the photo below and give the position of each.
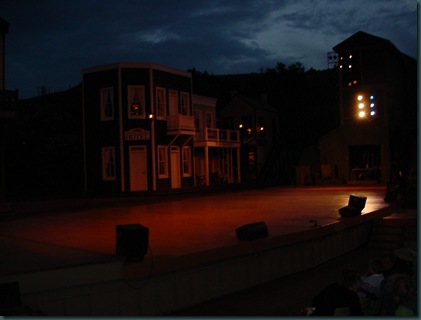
(404, 289)
(350, 279)
(376, 266)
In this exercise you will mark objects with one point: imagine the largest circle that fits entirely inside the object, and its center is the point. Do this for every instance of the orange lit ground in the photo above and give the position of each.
(177, 225)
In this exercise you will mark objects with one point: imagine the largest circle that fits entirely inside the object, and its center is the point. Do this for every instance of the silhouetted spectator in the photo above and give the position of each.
(371, 282)
(404, 293)
(369, 291)
(405, 260)
(397, 265)
(340, 298)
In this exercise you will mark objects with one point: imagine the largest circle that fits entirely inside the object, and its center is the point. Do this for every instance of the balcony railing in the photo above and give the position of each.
(180, 123)
(218, 135)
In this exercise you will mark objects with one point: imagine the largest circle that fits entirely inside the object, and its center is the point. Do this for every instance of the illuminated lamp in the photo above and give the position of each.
(252, 231)
(350, 66)
(372, 113)
(135, 109)
(240, 125)
(360, 97)
(261, 128)
(361, 114)
(249, 130)
(361, 105)
(150, 116)
(132, 241)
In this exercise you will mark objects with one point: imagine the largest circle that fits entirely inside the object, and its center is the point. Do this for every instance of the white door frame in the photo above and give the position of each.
(175, 167)
(138, 168)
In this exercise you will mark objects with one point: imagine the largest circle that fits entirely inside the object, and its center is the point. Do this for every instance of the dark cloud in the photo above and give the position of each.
(50, 42)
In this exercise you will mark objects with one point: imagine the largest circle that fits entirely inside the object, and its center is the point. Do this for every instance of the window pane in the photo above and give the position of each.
(160, 103)
(108, 163)
(107, 104)
(136, 101)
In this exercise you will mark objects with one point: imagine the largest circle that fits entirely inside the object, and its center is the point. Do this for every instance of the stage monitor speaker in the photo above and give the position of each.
(9, 296)
(349, 211)
(357, 202)
(132, 241)
(252, 231)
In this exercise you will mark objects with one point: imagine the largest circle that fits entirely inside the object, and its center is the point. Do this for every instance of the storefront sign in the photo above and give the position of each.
(137, 134)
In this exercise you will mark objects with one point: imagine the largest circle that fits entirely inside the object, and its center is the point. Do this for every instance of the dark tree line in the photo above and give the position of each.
(307, 101)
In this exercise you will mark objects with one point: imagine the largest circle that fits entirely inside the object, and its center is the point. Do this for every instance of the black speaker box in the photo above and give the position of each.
(252, 231)
(132, 241)
(349, 211)
(9, 295)
(357, 202)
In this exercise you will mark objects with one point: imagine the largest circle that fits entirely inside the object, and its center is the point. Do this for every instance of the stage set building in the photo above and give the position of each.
(376, 140)
(145, 130)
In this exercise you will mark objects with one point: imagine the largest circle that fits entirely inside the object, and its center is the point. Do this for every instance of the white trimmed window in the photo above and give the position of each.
(107, 104)
(173, 102)
(108, 164)
(187, 164)
(185, 103)
(162, 162)
(160, 103)
(136, 102)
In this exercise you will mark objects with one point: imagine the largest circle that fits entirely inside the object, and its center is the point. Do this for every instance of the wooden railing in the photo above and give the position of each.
(180, 123)
(218, 135)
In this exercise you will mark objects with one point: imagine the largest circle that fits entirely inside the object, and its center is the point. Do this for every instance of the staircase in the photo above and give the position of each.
(394, 231)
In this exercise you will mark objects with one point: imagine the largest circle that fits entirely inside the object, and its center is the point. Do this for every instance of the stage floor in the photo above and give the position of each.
(178, 224)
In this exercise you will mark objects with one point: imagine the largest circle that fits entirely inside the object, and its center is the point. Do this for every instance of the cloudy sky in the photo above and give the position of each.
(50, 41)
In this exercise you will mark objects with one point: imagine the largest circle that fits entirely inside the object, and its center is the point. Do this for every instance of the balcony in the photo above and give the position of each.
(213, 137)
(180, 124)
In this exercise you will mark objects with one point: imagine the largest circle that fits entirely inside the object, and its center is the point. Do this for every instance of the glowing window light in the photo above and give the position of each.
(361, 114)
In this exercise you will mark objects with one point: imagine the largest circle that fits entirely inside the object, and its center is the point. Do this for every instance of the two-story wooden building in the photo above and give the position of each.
(258, 123)
(138, 128)
(216, 151)
(144, 130)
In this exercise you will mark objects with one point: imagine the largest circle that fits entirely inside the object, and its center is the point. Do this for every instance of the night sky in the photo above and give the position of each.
(51, 41)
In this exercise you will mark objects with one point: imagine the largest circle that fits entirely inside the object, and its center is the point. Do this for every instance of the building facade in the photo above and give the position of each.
(8, 115)
(216, 151)
(376, 139)
(138, 128)
(144, 130)
(258, 123)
